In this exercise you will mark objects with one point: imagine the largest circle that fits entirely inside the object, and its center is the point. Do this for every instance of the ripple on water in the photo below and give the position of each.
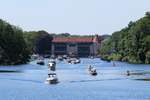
(75, 83)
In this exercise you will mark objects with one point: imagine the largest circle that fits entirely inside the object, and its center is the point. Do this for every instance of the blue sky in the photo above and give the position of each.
(73, 16)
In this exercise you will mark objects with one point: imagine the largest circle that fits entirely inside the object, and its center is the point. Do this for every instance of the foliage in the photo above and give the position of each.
(38, 42)
(132, 43)
(13, 49)
(69, 35)
(115, 56)
(147, 60)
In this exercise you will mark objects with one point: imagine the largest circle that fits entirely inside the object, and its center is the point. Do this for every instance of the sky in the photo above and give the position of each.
(82, 17)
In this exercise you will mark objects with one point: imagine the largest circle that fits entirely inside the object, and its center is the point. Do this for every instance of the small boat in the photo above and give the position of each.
(65, 56)
(52, 66)
(92, 57)
(34, 57)
(60, 58)
(74, 60)
(77, 60)
(52, 61)
(92, 71)
(52, 57)
(52, 79)
(47, 56)
(40, 62)
(128, 73)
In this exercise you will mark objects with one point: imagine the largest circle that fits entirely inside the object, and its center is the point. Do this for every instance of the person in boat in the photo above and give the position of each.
(51, 75)
(92, 69)
(128, 73)
(52, 79)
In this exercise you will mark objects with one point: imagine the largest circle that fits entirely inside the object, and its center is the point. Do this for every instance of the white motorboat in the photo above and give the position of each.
(65, 56)
(52, 57)
(52, 66)
(52, 60)
(60, 58)
(52, 79)
(92, 71)
(77, 60)
(73, 60)
(92, 57)
(34, 57)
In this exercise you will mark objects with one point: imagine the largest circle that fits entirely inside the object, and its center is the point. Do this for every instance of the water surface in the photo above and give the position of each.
(27, 83)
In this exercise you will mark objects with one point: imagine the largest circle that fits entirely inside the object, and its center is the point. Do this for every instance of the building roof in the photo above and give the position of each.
(75, 39)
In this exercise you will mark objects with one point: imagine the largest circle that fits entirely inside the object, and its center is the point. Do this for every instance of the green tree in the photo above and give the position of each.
(38, 42)
(13, 49)
(131, 44)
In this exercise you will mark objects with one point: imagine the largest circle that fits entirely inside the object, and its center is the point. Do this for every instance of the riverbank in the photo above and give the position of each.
(119, 57)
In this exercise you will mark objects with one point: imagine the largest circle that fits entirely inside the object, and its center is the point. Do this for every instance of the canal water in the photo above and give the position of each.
(111, 83)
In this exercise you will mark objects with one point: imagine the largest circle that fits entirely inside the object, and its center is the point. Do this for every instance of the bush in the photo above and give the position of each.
(147, 61)
(13, 49)
(115, 56)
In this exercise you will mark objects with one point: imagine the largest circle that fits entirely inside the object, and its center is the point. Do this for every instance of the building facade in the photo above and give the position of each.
(78, 46)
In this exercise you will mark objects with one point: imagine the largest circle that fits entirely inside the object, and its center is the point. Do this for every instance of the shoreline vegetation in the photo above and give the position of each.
(17, 46)
(9, 71)
(131, 44)
(13, 48)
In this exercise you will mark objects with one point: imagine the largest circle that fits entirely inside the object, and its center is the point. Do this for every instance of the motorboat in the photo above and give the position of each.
(52, 79)
(60, 58)
(52, 57)
(92, 57)
(34, 57)
(92, 71)
(73, 60)
(52, 61)
(52, 66)
(47, 56)
(65, 56)
(68, 60)
(77, 60)
(128, 73)
(40, 62)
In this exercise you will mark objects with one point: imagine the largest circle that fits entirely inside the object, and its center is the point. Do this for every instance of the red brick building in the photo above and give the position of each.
(80, 46)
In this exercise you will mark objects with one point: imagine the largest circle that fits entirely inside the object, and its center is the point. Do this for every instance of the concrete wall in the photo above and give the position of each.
(74, 49)
(52, 49)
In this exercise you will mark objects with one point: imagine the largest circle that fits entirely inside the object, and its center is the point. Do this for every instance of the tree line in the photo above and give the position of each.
(130, 44)
(13, 48)
(17, 46)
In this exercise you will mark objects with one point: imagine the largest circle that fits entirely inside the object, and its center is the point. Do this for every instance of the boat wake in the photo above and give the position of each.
(24, 80)
(97, 80)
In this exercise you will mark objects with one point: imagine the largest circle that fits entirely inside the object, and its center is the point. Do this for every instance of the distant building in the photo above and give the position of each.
(79, 46)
